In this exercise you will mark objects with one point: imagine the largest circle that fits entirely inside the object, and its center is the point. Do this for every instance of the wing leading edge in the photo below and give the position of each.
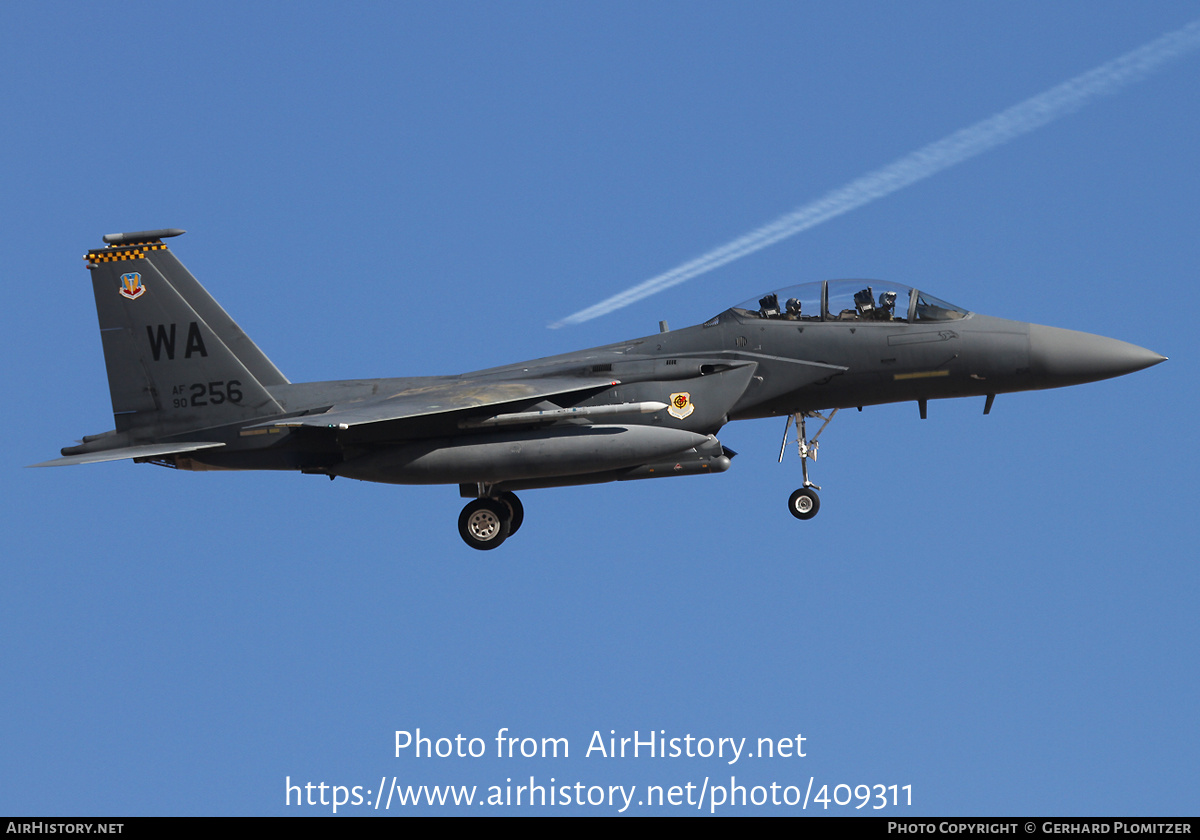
(449, 399)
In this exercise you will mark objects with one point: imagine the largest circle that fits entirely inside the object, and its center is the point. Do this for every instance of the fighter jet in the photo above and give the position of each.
(191, 391)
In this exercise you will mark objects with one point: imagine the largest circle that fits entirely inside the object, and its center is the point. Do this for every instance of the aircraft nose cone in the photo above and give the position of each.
(1067, 357)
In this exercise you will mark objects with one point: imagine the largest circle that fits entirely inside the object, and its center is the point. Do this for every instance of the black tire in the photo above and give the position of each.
(484, 524)
(804, 504)
(515, 509)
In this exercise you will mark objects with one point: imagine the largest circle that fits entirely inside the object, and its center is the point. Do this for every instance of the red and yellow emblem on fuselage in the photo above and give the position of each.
(131, 286)
(681, 405)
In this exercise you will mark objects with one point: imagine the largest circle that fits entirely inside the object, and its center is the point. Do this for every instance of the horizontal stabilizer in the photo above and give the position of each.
(149, 450)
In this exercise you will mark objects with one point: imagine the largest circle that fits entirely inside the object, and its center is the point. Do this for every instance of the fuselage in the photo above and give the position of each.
(748, 362)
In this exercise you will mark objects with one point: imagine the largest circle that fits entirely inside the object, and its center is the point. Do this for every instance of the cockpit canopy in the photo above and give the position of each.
(849, 300)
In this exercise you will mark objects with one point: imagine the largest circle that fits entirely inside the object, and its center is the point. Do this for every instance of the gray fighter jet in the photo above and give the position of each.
(191, 391)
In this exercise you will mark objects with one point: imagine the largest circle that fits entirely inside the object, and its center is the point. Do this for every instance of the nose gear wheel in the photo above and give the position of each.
(804, 503)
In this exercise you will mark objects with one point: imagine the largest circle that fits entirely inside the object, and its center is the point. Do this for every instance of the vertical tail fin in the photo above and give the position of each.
(176, 361)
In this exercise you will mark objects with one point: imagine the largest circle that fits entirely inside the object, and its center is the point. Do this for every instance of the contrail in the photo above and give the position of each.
(1007, 125)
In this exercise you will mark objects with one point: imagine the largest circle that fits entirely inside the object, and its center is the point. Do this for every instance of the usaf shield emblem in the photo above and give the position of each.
(681, 405)
(131, 286)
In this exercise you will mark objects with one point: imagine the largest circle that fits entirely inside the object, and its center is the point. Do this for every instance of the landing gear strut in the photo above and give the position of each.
(804, 503)
(491, 519)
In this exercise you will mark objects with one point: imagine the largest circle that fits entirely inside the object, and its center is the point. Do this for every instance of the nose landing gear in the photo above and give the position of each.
(804, 503)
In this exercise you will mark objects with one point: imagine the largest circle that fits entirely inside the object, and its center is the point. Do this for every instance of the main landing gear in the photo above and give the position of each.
(490, 520)
(804, 503)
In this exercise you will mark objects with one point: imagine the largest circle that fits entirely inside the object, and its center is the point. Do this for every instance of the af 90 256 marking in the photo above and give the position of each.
(210, 393)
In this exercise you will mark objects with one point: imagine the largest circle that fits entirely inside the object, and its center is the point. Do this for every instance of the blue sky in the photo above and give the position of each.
(998, 611)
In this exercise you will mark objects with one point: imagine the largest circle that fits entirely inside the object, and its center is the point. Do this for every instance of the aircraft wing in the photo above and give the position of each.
(149, 450)
(446, 398)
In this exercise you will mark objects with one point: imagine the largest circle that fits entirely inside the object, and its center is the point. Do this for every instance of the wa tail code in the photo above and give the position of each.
(162, 340)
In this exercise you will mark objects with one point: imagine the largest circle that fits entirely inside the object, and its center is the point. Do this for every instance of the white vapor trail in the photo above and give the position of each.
(1007, 125)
